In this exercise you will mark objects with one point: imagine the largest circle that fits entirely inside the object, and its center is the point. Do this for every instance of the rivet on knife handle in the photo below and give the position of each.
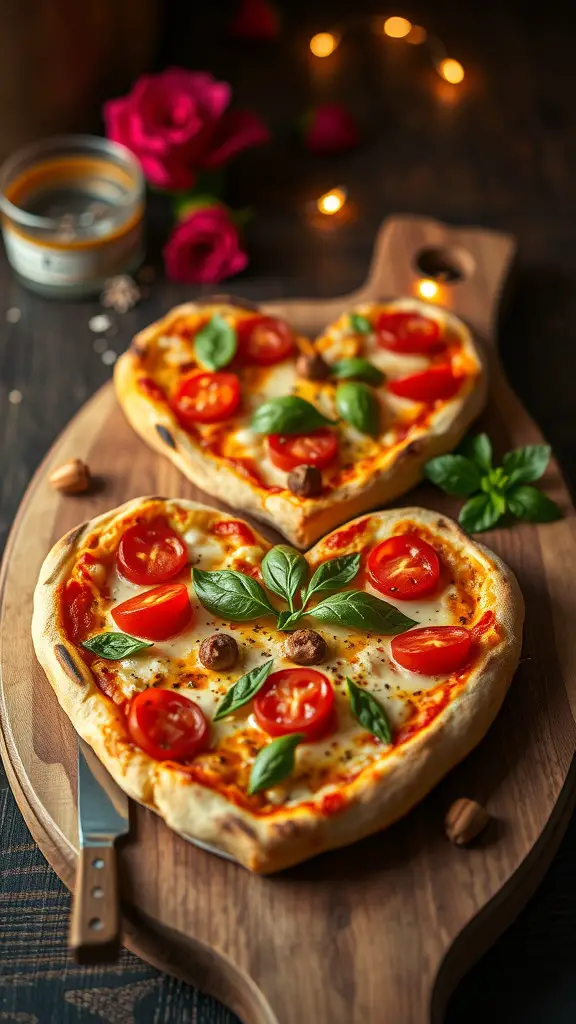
(95, 922)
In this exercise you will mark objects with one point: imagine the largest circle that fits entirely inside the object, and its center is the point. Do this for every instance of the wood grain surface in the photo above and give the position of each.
(380, 931)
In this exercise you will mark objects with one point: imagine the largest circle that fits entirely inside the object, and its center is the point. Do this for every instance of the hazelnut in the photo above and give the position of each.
(312, 367)
(71, 478)
(465, 820)
(218, 652)
(305, 481)
(305, 647)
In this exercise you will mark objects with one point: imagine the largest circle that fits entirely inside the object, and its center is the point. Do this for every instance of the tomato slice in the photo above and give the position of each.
(167, 726)
(264, 340)
(296, 700)
(203, 397)
(151, 553)
(234, 528)
(157, 614)
(428, 386)
(432, 650)
(408, 332)
(318, 448)
(77, 609)
(404, 567)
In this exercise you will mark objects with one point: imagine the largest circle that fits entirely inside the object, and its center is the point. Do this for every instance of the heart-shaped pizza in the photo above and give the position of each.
(270, 704)
(303, 436)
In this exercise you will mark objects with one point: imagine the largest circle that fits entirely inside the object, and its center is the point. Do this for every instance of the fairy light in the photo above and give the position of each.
(451, 70)
(332, 202)
(323, 44)
(397, 28)
(427, 289)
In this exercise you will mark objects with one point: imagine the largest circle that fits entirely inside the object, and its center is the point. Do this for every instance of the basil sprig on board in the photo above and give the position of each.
(360, 324)
(288, 414)
(215, 344)
(243, 690)
(231, 594)
(114, 646)
(356, 368)
(284, 571)
(357, 404)
(367, 710)
(274, 762)
(494, 491)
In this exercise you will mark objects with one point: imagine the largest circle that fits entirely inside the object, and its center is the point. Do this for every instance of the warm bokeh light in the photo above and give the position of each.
(333, 201)
(417, 35)
(427, 289)
(451, 70)
(397, 28)
(323, 44)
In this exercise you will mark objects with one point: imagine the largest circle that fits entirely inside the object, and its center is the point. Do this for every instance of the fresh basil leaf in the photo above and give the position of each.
(243, 690)
(356, 368)
(524, 465)
(481, 512)
(360, 610)
(231, 594)
(114, 646)
(274, 762)
(360, 324)
(455, 474)
(287, 620)
(529, 503)
(285, 571)
(332, 575)
(369, 712)
(215, 344)
(358, 405)
(288, 414)
(479, 449)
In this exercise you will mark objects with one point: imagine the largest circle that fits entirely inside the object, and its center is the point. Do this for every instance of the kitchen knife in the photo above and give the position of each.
(102, 817)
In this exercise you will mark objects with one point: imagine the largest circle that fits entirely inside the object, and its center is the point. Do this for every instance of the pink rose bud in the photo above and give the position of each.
(204, 248)
(331, 129)
(255, 19)
(178, 123)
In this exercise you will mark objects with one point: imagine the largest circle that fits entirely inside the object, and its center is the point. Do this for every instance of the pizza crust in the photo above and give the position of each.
(302, 521)
(382, 793)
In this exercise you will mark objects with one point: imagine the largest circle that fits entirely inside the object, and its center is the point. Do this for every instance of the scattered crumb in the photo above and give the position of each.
(13, 315)
(109, 357)
(120, 293)
(99, 323)
(15, 397)
(100, 345)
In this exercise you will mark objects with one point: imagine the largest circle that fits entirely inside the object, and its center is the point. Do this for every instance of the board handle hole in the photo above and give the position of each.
(445, 264)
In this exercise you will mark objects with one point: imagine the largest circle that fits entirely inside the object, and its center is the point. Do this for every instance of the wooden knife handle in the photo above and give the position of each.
(95, 922)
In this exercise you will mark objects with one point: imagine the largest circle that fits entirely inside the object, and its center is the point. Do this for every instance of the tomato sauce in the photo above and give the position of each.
(151, 389)
(233, 527)
(343, 538)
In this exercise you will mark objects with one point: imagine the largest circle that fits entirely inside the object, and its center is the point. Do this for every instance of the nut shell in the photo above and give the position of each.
(305, 481)
(465, 820)
(305, 647)
(71, 477)
(219, 652)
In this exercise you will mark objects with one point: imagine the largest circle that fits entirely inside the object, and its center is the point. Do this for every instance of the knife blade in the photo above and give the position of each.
(102, 818)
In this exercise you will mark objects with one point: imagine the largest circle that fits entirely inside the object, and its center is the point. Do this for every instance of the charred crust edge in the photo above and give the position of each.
(140, 348)
(238, 825)
(71, 537)
(165, 435)
(68, 664)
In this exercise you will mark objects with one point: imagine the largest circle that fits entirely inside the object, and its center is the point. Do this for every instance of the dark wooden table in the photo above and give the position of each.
(503, 156)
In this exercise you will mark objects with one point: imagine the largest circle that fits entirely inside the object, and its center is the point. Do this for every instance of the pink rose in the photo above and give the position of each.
(331, 129)
(204, 248)
(178, 123)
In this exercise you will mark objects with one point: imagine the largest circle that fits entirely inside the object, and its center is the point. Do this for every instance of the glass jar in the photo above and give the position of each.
(72, 214)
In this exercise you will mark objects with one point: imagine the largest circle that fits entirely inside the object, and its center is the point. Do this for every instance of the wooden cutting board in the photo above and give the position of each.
(381, 931)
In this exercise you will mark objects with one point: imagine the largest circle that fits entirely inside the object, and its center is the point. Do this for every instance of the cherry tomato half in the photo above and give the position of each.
(318, 448)
(428, 386)
(167, 726)
(404, 567)
(264, 340)
(295, 700)
(151, 553)
(157, 614)
(408, 332)
(206, 397)
(432, 650)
